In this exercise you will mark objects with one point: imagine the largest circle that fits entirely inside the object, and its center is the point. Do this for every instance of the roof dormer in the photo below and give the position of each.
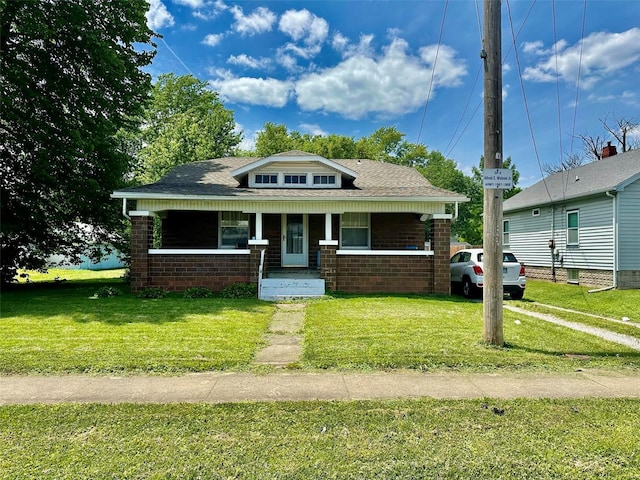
(294, 169)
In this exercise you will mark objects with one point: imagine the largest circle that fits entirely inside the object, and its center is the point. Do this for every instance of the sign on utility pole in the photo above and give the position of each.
(492, 223)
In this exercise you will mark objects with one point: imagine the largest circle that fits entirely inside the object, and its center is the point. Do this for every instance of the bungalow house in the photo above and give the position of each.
(344, 225)
(581, 225)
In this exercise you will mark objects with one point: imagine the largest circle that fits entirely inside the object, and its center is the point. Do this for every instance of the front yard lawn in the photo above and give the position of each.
(444, 333)
(409, 439)
(58, 328)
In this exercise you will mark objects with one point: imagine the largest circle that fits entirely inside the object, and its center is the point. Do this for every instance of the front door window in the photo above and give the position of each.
(294, 240)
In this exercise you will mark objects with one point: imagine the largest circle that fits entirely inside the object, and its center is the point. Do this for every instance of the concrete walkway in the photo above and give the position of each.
(279, 386)
(283, 337)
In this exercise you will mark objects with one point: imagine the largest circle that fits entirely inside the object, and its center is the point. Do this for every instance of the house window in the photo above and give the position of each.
(354, 230)
(535, 212)
(505, 232)
(573, 225)
(295, 179)
(271, 179)
(573, 275)
(234, 229)
(324, 179)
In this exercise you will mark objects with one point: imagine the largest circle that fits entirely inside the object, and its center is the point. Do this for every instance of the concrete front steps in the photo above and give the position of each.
(290, 288)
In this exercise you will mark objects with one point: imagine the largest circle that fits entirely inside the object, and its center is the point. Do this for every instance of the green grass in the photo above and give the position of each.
(611, 303)
(410, 439)
(430, 333)
(59, 328)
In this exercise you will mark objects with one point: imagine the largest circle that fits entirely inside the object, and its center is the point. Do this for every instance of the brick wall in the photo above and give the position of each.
(190, 229)
(180, 272)
(388, 273)
(591, 278)
(396, 231)
(141, 242)
(440, 237)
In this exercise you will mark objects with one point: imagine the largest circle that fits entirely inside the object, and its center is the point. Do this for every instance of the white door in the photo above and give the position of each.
(295, 245)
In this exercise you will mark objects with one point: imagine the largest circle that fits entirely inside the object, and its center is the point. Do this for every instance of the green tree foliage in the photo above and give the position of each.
(184, 122)
(70, 78)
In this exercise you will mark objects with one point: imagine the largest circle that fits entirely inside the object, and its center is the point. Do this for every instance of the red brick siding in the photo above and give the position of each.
(440, 237)
(190, 229)
(385, 273)
(396, 231)
(141, 242)
(179, 272)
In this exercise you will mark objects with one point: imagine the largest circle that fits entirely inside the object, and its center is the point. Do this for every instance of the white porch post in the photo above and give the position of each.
(327, 226)
(259, 226)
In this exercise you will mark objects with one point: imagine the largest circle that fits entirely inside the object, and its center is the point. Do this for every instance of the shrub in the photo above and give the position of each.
(152, 292)
(198, 292)
(106, 292)
(240, 290)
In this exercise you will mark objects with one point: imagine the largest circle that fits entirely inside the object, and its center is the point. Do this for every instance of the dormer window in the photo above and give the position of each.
(269, 179)
(295, 179)
(324, 179)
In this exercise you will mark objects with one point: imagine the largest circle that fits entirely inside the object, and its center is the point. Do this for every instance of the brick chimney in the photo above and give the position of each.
(608, 150)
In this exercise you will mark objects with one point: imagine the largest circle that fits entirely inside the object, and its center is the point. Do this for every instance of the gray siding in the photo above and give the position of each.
(529, 235)
(629, 227)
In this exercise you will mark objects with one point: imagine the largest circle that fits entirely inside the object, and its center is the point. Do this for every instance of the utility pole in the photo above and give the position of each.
(492, 223)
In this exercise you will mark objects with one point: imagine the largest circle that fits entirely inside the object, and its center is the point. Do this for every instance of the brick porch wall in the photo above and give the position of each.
(141, 242)
(440, 237)
(396, 231)
(384, 274)
(180, 272)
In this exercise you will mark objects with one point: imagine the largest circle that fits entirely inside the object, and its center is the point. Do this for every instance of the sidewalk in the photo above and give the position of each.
(242, 387)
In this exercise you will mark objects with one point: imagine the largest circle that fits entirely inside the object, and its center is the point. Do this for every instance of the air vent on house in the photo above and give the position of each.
(535, 212)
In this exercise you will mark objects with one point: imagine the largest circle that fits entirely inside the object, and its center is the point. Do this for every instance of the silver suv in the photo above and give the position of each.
(467, 274)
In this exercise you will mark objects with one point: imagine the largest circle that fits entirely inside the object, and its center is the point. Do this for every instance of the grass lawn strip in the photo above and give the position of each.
(435, 333)
(631, 329)
(524, 439)
(610, 303)
(59, 328)
(606, 334)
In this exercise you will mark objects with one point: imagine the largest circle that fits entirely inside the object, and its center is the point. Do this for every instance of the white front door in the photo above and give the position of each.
(295, 243)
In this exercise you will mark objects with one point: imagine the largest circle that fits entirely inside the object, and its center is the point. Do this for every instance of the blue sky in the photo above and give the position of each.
(350, 67)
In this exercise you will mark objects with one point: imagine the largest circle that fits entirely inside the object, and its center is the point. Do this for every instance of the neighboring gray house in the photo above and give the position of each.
(592, 214)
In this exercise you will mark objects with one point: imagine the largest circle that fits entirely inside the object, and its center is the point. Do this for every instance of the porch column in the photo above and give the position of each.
(141, 242)
(328, 262)
(327, 226)
(440, 237)
(258, 225)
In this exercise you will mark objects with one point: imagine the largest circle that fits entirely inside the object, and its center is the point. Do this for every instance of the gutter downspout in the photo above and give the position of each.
(124, 208)
(615, 245)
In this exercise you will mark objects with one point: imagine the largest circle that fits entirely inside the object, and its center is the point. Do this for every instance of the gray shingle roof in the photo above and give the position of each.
(213, 178)
(596, 177)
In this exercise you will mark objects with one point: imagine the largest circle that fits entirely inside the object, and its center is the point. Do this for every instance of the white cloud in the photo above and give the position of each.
(342, 45)
(255, 91)
(213, 39)
(158, 16)
(603, 54)
(313, 129)
(207, 10)
(244, 60)
(391, 84)
(190, 3)
(308, 33)
(260, 21)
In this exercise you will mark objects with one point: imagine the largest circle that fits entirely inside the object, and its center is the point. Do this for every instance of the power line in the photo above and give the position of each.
(575, 110)
(433, 70)
(524, 97)
(176, 55)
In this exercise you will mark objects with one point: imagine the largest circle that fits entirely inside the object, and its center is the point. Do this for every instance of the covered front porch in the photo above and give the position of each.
(354, 252)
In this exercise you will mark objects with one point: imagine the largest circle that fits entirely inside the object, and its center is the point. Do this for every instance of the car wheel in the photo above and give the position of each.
(468, 288)
(517, 295)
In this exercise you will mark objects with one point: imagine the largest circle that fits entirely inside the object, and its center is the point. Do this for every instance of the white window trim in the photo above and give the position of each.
(577, 229)
(506, 222)
(230, 247)
(281, 177)
(368, 247)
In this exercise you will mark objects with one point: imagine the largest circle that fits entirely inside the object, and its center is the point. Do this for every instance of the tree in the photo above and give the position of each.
(184, 122)
(569, 162)
(273, 139)
(70, 78)
(620, 130)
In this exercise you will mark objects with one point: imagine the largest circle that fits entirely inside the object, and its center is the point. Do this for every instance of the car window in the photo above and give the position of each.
(480, 257)
(508, 257)
(455, 258)
(465, 257)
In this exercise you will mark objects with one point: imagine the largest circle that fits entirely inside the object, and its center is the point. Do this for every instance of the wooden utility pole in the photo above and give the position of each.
(492, 223)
